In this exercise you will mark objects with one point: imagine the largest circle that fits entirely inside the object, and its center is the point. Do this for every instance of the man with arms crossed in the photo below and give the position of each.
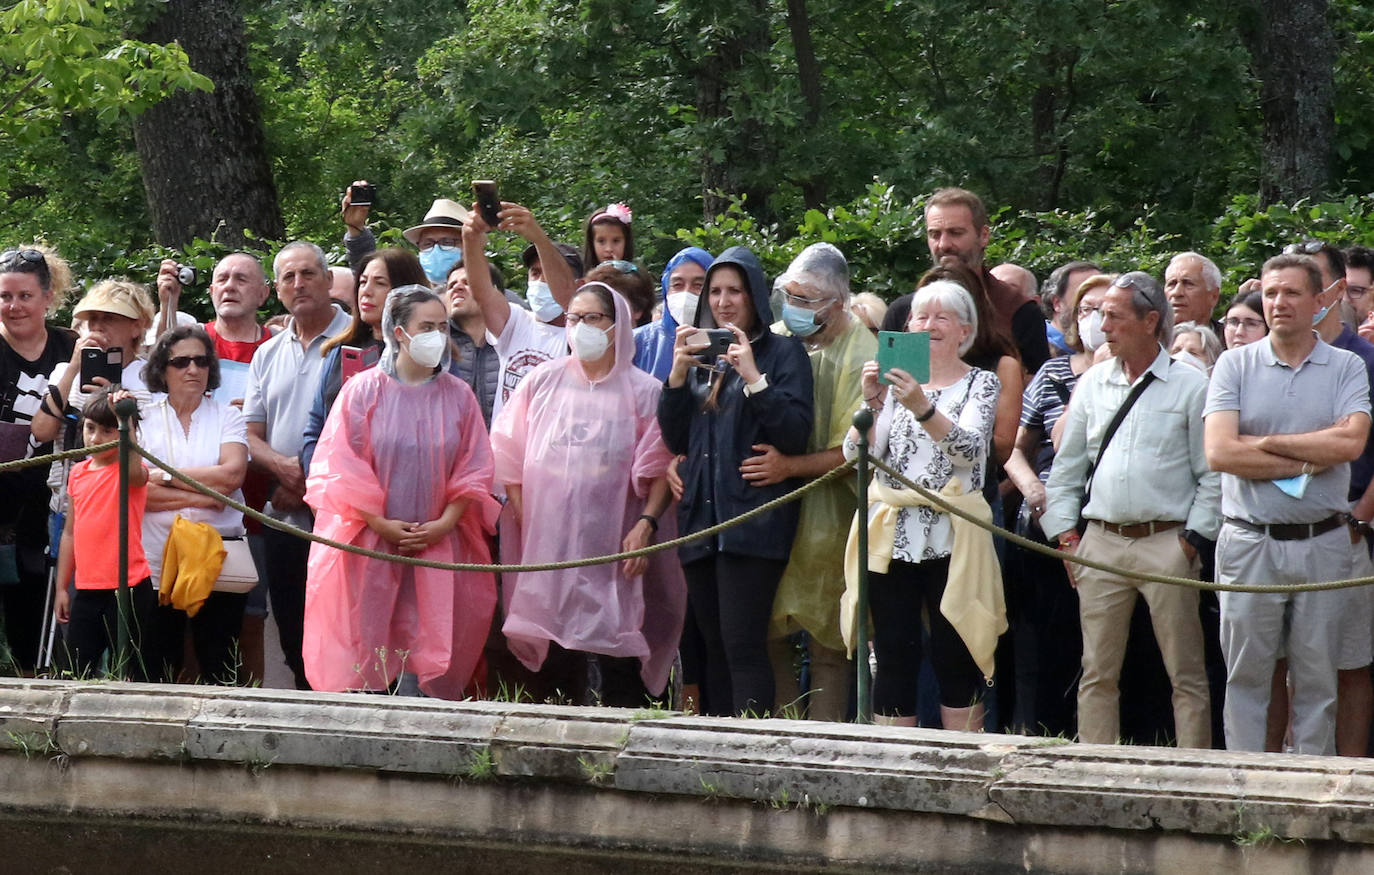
(1284, 418)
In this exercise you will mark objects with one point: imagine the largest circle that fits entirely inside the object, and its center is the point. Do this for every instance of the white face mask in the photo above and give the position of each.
(588, 343)
(427, 347)
(683, 307)
(1188, 358)
(1090, 331)
(542, 302)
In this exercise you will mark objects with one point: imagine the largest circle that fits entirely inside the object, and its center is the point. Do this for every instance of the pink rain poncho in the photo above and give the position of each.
(401, 452)
(585, 455)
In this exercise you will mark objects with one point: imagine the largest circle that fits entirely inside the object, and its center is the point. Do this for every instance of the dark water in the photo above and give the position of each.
(54, 844)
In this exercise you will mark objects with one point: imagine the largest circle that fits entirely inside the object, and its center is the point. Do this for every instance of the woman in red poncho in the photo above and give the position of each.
(403, 466)
(578, 450)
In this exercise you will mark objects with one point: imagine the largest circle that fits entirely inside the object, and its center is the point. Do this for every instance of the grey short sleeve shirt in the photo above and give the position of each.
(282, 380)
(1273, 398)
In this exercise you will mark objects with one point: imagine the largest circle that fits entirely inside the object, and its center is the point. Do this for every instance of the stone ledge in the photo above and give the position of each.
(1028, 782)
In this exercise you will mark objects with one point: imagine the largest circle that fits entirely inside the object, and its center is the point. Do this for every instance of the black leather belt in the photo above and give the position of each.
(1291, 531)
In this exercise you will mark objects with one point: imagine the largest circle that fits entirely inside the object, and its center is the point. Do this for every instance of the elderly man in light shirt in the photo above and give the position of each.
(1149, 500)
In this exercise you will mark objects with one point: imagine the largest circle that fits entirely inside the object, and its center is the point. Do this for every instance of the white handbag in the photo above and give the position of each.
(238, 574)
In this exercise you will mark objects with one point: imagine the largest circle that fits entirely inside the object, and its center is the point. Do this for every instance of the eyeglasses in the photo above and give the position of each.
(799, 301)
(595, 320)
(182, 362)
(623, 266)
(450, 242)
(1355, 291)
(1249, 323)
(22, 260)
(1086, 310)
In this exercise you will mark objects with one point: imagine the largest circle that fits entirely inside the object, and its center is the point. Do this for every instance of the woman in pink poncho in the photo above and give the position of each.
(403, 466)
(578, 450)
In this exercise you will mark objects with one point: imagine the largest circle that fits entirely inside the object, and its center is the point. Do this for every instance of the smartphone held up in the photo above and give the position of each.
(488, 204)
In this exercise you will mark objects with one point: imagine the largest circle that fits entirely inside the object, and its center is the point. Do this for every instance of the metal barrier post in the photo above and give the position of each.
(125, 410)
(863, 422)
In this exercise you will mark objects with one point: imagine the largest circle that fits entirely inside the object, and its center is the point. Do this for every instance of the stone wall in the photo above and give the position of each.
(311, 776)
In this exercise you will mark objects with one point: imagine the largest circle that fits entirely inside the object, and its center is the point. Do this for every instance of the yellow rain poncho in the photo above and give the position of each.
(809, 594)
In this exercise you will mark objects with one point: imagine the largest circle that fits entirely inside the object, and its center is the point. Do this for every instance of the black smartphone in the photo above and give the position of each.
(107, 363)
(363, 195)
(488, 204)
(719, 340)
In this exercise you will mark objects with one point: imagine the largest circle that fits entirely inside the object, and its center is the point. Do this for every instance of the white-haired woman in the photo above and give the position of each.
(1196, 344)
(932, 432)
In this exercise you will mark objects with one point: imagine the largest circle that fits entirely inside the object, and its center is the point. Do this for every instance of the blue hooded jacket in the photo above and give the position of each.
(654, 342)
(715, 442)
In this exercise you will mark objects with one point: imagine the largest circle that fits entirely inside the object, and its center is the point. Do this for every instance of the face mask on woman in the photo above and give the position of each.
(1090, 331)
(438, 259)
(588, 343)
(542, 302)
(683, 307)
(427, 347)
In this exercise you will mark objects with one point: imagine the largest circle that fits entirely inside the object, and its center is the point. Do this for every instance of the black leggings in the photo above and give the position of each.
(895, 600)
(732, 599)
(214, 636)
(93, 624)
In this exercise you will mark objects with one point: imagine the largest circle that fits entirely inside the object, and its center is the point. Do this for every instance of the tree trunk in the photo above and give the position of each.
(809, 79)
(204, 155)
(729, 162)
(1293, 52)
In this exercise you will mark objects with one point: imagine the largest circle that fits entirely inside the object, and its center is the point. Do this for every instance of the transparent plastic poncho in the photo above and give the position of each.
(585, 455)
(809, 593)
(402, 452)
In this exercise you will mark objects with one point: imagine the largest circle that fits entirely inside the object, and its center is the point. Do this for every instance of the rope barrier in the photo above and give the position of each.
(57, 457)
(1046, 550)
(289, 529)
(933, 497)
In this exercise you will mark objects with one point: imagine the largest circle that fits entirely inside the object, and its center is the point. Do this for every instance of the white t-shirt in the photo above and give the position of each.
(525, 344)
(212, 424)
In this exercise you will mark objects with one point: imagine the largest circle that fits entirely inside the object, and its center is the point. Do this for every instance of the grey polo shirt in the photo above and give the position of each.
(1273, 398)
(282, 381)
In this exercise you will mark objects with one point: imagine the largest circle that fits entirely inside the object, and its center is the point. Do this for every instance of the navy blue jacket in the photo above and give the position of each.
(715, 442)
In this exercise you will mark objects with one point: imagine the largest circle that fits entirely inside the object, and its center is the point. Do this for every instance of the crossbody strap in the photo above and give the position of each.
(1112, 426)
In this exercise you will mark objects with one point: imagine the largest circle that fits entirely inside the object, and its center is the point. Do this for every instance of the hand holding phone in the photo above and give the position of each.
(718, 342)
(488, 204)
(97, 362)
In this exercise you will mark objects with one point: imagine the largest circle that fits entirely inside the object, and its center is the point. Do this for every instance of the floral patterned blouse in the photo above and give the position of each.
(970, 403)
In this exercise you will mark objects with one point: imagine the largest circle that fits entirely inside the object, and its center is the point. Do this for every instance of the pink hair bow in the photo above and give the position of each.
(619, 212)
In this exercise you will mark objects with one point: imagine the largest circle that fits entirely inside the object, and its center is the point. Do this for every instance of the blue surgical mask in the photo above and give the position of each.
(438, 260)
(542, 302)
(799, 321)
(1321, 314)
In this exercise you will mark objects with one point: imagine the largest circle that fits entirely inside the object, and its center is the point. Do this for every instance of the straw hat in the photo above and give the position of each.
(443, 214)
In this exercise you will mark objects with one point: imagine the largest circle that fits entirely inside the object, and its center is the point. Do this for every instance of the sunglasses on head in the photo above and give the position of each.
(23, 261)
(1307, 247)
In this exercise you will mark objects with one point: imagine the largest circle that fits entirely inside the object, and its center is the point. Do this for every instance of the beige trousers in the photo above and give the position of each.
(1106, 602)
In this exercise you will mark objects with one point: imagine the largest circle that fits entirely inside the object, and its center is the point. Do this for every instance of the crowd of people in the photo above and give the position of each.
(413, 406)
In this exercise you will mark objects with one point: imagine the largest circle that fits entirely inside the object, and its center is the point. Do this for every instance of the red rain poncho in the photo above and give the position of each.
(585, 455)
(402, 452)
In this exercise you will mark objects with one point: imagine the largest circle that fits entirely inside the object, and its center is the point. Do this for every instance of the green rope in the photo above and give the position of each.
(472, 566)
(57, 457)
(1047, 550)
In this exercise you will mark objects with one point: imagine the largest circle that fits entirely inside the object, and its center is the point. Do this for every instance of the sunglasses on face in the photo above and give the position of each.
(182, 362)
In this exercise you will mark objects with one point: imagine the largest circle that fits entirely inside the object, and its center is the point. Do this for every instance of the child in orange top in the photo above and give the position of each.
(90, 543)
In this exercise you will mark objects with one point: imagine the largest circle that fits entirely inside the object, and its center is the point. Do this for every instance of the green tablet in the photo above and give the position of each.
(908, 350)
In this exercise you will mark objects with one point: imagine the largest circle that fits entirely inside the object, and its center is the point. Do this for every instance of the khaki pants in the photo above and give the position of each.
(1106, 602)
